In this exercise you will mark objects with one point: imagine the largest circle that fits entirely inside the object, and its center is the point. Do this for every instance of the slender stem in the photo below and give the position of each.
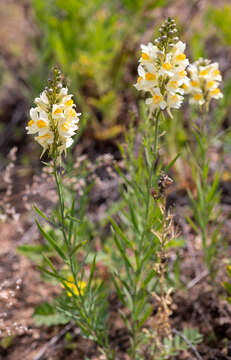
(151, 170)
(150, 173)
(154, 153)
(162, 251)
(84, 312)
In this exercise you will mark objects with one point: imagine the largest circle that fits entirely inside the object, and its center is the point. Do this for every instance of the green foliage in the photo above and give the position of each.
(173, 346)
(45, 314)
(227, 285)
(137, 238)
(221, 19)
(197, 45)
(6, 341)
(136, 5)
(220, 113)
(142, 230)
(34, 252)
(205, 204)
(84, 298)
(89, 40)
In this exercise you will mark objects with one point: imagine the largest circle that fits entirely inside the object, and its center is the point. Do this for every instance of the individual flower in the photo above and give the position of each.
(161, 70)
(146, 80)
(197, 98)
(39, 122)
(148, 53)
(174, 101)
(54, 120)
(77, 290)
(156, 101)
(179, 59)
(204, 82)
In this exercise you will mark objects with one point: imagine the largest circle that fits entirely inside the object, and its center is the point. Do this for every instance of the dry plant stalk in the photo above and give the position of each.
(160, 322)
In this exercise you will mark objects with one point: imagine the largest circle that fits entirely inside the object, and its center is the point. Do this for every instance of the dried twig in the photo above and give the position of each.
(53, 341)
(197, 279)
(190, 345)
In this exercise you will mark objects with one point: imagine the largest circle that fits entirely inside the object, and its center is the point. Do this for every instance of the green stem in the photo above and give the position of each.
(150, 173)
(67, 241)
(154, 152)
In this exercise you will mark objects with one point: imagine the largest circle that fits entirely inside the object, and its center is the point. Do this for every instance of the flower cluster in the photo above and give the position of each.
(77, 290)
(204, 82)
(162, 70)
(54, 119)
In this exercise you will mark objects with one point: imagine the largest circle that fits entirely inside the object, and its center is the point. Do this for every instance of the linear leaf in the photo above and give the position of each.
(168, 167)
(51, 241)
(73, 251)
(145, 317)
(121, 234)
(122, 251)
(40, 213)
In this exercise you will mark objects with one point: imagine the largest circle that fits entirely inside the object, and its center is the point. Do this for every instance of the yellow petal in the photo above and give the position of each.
(41, 124)
(145, 56)
(69, 102)
(198, 97)
(167, 66)
(181, 57)
(149, 76)
(30, 123)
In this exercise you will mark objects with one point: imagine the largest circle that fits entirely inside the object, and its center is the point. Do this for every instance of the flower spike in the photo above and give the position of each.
(161, 70)
(54, 120)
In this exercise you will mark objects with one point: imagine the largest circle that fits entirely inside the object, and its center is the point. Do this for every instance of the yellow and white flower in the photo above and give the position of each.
(174, 100)
(57, 111)
(197, 98)
(42, 101)
(146, 79)
(215, 72)
(148, 53)
(45, 139)
(156, 101)
(38, 123)
(161, 70)
(167, 68)
(179, 60)
(174, 85)
(54, 120)
(204, 84)
(215, 94)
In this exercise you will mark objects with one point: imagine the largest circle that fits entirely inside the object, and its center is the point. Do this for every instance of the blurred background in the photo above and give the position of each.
(96, 44)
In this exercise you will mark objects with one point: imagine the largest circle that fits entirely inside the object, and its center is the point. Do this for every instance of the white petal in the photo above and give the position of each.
(148, 101)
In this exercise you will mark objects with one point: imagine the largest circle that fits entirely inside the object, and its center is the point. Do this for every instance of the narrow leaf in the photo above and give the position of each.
(51, 241)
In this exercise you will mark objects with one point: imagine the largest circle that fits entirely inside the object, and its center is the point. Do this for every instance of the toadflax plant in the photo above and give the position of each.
(54, 122)
(140, 277)
(145, 231)
(205, 79)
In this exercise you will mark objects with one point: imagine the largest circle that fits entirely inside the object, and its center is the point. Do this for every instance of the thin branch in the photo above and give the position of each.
(197, 279)
(53, 341)
(190, 345)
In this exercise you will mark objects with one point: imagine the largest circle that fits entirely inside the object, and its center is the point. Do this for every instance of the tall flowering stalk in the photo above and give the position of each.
(205, 79)
(54, 121)
(162, 74)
